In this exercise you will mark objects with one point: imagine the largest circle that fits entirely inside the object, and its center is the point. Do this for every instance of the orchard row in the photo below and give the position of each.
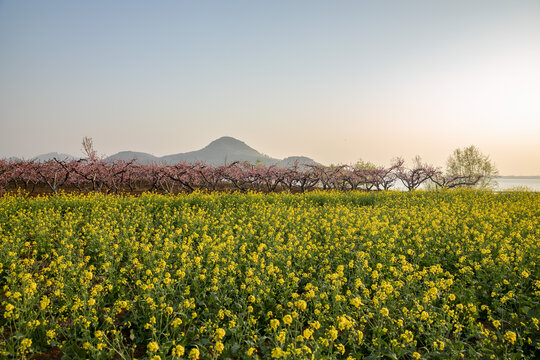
(113, 177)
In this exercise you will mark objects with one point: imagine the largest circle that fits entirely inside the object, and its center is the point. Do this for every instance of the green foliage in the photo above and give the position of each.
(470, 161)
(364, 165)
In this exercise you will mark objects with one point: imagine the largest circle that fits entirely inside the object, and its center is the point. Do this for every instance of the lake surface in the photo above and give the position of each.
(531, 183)
(512, 182)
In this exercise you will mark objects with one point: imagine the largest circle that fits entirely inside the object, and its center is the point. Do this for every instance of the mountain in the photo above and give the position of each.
(53, 155)
(224, 150)
(139, 157)
(301, 160)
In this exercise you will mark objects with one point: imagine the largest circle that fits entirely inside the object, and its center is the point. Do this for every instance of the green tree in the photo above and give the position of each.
(364, 165)
(470, 163)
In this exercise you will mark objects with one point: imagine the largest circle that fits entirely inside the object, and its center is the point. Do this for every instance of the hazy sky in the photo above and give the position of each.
(337, 81)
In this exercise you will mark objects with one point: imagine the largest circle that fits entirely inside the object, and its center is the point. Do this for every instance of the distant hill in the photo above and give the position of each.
(140, 157)
(292, 160)
(224, 150)
(53, 155)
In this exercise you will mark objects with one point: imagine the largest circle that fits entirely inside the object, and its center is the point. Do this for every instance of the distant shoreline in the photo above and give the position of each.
(516, 177)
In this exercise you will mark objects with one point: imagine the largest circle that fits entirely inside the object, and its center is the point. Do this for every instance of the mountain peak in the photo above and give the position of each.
(228, 142)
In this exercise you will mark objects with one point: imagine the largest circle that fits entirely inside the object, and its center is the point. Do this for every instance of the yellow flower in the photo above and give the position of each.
(344, 322)
(274, 324)
(356, 302)
(194, 354)
(25, 344)
(287, 319)
(153, 346)
(510, 336)
(332, 333)
(407, 336)
(281, 336)
(178, 350)
(219, 333)
(44, 302)
(176, 322)
(301, 305)
(277, 352)
(385, 312)
(416, 355)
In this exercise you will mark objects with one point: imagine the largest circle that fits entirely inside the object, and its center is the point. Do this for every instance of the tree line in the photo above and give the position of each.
(465, 168)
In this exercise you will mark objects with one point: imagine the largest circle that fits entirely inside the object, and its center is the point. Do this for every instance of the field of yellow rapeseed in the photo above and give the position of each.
(434, 275)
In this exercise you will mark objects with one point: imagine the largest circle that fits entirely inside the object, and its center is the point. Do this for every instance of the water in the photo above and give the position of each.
(512, 182)
(529, 183)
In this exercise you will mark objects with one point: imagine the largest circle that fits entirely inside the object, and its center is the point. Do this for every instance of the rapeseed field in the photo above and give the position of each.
(322, 275)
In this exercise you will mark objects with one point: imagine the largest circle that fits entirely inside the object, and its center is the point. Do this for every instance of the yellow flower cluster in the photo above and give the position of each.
(443, 274)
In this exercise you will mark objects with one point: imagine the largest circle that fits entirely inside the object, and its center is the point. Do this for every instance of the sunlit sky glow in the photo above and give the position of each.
(337, 81)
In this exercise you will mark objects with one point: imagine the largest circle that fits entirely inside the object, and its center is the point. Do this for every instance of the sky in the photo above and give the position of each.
(337, 81)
